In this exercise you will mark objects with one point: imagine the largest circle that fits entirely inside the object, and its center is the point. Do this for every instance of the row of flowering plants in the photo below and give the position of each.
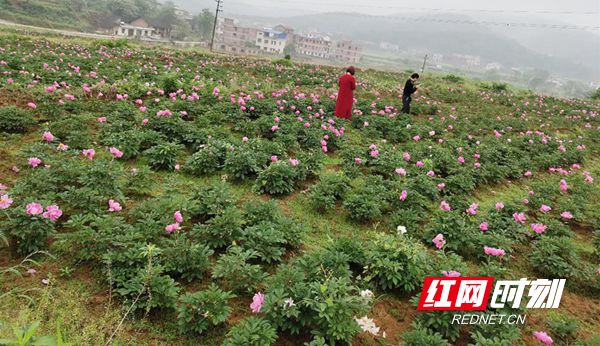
(169, 170)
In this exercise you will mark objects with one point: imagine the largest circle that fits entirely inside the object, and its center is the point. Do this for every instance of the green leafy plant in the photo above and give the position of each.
(201, 310)
(253, 331)
(15, 120)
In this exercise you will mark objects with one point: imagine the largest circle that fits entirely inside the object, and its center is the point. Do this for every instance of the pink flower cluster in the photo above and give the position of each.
(439, 241)
(493, 251)
(52, 212)
(543, 337)
(178, 217)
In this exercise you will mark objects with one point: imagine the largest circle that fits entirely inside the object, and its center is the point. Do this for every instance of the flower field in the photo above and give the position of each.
(159, 196)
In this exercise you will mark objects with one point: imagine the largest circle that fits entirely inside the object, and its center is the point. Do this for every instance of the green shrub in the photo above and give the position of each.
(15, 120)
(202, 310)
(221, 230)
(394, 262)
(252, 331)
(212, 200)
(555, 257)
(243, 163)
(207, 160)
(237, 274)
(163, 156)
(419, 336)
(30, 233)
(328, 190)
(562, 327)
(277, 179)
(267, 239)
(185, 258)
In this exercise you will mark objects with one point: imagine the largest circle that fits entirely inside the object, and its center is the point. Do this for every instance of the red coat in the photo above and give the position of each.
(343, 106)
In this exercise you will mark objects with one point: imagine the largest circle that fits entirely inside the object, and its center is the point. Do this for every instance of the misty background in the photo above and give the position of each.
(549, 46)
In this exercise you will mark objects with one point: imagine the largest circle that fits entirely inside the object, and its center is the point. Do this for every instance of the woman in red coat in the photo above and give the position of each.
(345, 98)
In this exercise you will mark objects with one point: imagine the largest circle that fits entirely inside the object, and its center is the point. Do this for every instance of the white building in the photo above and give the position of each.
(137, 28)
(271, 41)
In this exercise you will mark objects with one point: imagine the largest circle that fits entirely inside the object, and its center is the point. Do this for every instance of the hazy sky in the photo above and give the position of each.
(535, 8)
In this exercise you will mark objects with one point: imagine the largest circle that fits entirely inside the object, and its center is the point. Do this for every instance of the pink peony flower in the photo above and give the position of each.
(257, 302)
(294, 162)
(445, 206)
(563, 185)
(374, 153)
(172, 228)
(357, 160)
(34, 208)
(34, 161)
(47, 136)
(441, 186)
(274, 128)
(403, 195)
(114, 206)
(472, 209)
(499, 205)
(519, 217)
(31, 105)
(5, 202)
(401, 171)
(566, 215)
(439, 241)
(245, 139)
(406, 156)
(62, 147)
(178, 217)
(493, 251)
(461, 160)
(89, 153)
(419, 164)
(538, 228)
(101, 119)
(116, 152)
(483, 226)
(543, 337)
(53, 212)
(451, 274)
(527, 174)
(274, 158)
(544, 208)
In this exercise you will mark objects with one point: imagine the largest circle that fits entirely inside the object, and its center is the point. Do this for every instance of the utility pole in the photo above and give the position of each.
(424, 62)
(219, 9)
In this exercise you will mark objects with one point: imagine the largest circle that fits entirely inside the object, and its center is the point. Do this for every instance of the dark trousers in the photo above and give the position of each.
(406, 104)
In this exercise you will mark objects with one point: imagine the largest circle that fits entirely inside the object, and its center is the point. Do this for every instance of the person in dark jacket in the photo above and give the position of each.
(409, 89)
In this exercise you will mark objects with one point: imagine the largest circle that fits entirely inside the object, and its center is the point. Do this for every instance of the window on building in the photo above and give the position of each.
(259, 40)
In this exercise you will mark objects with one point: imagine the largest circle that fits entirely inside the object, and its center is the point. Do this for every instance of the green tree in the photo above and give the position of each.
(202, 24)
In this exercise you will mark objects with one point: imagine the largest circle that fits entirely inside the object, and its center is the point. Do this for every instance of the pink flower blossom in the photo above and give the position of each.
(47, 136)
(563, 185)
(419, 164)
(34, 208)
(538, 228)
(451, 274)
(101, 119)
(441, 186)
(89, 153)
(5, 202)
(34, 161)
(431, 174)
(31, 105)
(493, 251)
(357, 160)
(445, 206)
(274, 158)
(545, 209)
(439, 241)
(257, 302)
(374, 153)
(274, 128)
(499, 205)
(114, 206)
(543, 337)
(519, 217)
(62, 147)
(401, 171)
(566, 215)
(53, 212)
(406, 156)
(472, 210)
(294, 162)
(461, 160)
(178, 217)
(483, 226)
(527, 174)
(116, 152)
(403, 195)
(245, 139)
(172, 228)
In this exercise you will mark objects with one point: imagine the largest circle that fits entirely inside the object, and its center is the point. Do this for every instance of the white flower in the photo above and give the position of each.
(367, 295)
(401, 229)
(367, 325)
(288, 303)
(408, 126)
